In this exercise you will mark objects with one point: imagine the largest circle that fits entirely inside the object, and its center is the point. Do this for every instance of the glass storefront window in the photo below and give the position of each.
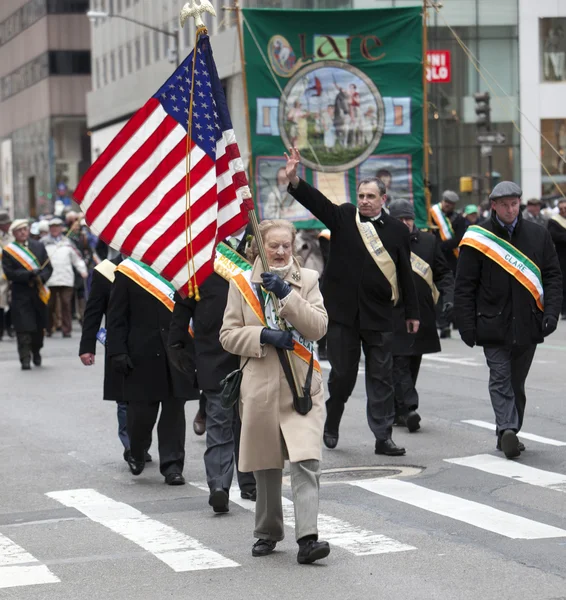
(554, 130)
(553, 49)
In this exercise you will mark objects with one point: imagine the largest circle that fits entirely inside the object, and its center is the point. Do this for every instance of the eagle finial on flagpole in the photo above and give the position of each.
(192, 9)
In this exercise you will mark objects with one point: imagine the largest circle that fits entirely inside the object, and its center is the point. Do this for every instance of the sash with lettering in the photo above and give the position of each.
(29, 261)
(228, 262)
(422, 268)
(303, 348)
(560, 220)
(380, 256)
(507, 257)
(444, 225)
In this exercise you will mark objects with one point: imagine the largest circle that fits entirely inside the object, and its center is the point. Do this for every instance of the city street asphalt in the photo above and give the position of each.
(450, 520)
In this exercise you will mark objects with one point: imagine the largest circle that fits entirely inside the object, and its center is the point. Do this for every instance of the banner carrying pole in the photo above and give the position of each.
(426, 141)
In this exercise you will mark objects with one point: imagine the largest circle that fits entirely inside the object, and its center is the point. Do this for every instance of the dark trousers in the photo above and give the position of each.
(29, 343)
(65, 294)
(223, 429)
(202, 404)
(170, 432)
(122, 414)
(508, 370)
(405, 374)
(343, 346)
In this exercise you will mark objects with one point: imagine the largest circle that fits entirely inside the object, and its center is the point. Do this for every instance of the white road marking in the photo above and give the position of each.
(467, 362)
(513, 470)
(177, 550)
(467, 511)
(528, 436)
(18, 567)
(356, 540)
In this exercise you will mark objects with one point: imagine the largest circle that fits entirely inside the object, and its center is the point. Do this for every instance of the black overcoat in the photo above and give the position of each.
(28, 312)
(138, 325)
(558, 235)
(212, 361)
(356, 292)
(96, 310)
(492, 303)
(459, 226)
(427, 247)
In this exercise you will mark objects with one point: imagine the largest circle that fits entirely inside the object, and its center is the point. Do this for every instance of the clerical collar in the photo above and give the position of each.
(376, 218)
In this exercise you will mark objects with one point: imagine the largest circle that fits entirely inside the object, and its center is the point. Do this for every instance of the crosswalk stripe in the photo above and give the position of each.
(18, 567)
(356, 540)
(513, 470)
(528, 436)
(467, 511)
(177, 550)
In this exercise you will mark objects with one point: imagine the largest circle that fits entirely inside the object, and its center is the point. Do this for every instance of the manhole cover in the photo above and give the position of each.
(346, 474)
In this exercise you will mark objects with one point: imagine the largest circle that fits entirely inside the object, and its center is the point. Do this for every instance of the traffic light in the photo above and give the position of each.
(483, 111)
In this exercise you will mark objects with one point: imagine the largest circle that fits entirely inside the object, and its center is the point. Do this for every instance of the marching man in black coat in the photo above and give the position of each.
(557, 230)
(368, 270)
(508, 298)
(432, 277)
(26, 265)
(139, 315)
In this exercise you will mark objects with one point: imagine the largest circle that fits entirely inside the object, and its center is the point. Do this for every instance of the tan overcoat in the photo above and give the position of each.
(269, 421)
(5, 239)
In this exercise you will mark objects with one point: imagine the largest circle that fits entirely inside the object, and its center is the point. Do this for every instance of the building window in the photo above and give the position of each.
(129, 57)
(157, 45)
(146, 52)
(66, 6)
(69, 62)
(121, 62)
(112, 66)
(553, 49)
(138, 54)
(97, 73)
(104, 70)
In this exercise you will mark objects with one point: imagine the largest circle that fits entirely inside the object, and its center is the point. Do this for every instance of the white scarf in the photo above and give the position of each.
(282, 271)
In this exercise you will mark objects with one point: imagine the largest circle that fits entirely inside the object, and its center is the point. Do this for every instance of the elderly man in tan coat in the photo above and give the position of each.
(272, 427)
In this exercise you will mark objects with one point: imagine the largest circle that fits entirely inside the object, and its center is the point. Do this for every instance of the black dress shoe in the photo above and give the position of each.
(263, 547)
(249, 495)
(37, 359)
(148, 457)
(389, 448)
(413, 420)
(510, 444)
(219, 499)
(26, 366)
(445, 334)
(199, 423)
(330, 440)
(127, 454)
(521, 445)
(311, 551)
(174, 479)
(136, 466)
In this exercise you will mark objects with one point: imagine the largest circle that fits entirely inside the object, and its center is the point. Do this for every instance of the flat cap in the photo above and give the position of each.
(55, 221)
(18, 224)
(401, 209)
(4, 218)
(533, 201)
(450, 196)
(506, 189)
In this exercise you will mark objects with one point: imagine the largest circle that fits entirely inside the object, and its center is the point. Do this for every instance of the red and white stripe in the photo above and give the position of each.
(133, 196)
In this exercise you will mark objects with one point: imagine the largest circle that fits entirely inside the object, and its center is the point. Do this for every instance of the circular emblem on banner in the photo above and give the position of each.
(333, 113)
(281, 56)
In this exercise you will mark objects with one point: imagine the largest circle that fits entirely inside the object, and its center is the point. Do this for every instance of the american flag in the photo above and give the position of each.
(133, 196)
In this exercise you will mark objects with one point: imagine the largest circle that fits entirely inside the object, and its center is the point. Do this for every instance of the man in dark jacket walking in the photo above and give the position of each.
(26, 265)
(557, 230)
(433, 278)
(368, 270)
(138, 326)
(507, 299)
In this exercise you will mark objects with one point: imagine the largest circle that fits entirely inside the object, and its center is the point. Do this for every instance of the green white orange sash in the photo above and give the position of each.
(444, 225)
(507, 257)
(149, 280)
(29, 261)
(228, 262)
(560, 220)
(422, 268)
(379, 254)
(303, 348)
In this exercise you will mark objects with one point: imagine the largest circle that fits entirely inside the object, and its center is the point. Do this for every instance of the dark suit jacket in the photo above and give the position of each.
(213, 363)
(558, 235)
(356, 292)
(28, 312)
(96, 310)
(138, 325)
(459, 226)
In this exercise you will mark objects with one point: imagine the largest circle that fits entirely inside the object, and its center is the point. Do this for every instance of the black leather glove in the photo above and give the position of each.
(468, 337)
(277, 338)
(34, 273)
(181, 358)
(549, 325)
(274, 283)
(122, 364)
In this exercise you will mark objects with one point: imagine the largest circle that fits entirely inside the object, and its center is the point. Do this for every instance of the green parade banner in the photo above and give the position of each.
(346, 88)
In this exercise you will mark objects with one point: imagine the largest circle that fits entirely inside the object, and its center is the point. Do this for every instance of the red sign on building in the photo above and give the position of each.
(438, 68)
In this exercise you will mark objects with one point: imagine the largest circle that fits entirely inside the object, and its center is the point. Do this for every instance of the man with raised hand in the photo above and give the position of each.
(507, 299)
(368, 271)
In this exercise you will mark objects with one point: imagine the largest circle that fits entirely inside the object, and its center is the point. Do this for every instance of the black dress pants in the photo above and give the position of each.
(170, 432)
(405, 373)
(343, 346)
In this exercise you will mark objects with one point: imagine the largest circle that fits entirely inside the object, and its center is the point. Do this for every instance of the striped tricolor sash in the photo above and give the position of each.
(444, 225)
(228, 262)
(29, 261)
(304, 348)
(149, 280)
(507, 257)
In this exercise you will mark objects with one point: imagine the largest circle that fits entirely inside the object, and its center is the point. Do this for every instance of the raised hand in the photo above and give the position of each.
(291, 167)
